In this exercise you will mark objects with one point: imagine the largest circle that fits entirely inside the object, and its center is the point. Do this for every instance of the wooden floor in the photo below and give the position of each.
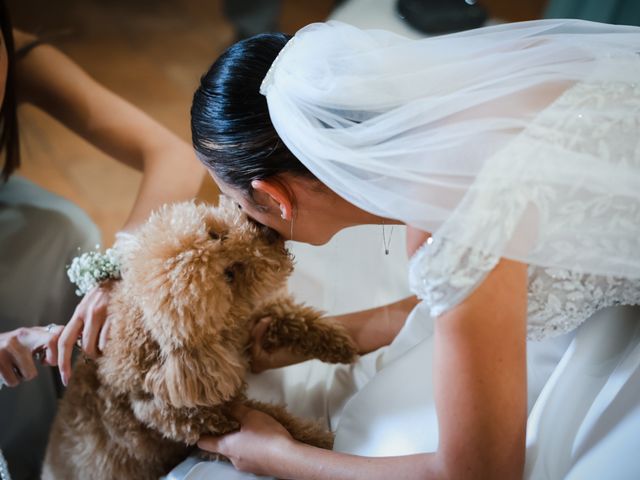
(151, 52)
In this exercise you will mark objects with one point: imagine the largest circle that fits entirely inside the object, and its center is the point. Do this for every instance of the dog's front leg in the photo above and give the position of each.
(184, 425)
(306, 332)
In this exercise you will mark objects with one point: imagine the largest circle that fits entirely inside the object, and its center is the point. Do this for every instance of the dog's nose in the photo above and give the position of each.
(268, 233)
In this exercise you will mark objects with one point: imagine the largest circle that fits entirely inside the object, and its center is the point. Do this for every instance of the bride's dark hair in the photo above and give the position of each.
(230, 124)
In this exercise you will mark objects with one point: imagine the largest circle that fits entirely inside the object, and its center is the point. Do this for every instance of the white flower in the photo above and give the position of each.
(91, 268)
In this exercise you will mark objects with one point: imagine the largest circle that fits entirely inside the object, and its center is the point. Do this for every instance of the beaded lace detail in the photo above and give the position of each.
(443, 273)
(269, 77)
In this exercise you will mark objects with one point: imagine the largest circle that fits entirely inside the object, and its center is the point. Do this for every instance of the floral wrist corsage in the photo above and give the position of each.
(92, 268)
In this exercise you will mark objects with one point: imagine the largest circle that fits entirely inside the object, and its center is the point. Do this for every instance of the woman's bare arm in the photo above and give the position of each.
(54, 83)
(377, 327)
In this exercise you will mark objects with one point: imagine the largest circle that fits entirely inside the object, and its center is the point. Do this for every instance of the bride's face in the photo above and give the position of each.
(308, 216)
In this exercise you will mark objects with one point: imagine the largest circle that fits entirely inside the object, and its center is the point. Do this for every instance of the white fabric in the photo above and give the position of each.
(394, 414)
(351, 272)
(443, 273)
(475, 136)
(586, 422)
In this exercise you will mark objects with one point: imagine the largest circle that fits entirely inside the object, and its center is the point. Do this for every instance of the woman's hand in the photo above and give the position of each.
(89, 322)
(18, 347)
(258, 447)
(261, 359)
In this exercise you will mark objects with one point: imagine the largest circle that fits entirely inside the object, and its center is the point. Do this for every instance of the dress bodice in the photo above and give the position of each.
(443, 274)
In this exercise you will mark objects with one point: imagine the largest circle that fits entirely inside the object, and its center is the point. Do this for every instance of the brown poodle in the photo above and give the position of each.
(195, 280)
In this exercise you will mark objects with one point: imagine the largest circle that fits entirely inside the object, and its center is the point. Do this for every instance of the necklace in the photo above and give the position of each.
(384, 239)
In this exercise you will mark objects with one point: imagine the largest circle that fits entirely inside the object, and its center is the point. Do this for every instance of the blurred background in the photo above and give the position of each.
(152, 53)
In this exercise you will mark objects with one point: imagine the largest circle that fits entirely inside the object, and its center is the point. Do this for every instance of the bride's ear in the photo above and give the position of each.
(275, 194)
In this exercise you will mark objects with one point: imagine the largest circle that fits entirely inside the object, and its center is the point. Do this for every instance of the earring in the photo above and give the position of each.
(384, 239)
(292, 216)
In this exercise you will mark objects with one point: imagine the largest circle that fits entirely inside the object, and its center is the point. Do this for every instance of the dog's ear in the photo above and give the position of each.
(204, 375)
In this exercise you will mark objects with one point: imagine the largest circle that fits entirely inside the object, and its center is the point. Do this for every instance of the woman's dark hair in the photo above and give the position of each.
(9, 140)
(230, 124)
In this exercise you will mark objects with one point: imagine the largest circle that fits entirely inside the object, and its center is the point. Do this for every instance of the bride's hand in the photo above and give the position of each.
(261, 359)
(89, 322)
(258, 447)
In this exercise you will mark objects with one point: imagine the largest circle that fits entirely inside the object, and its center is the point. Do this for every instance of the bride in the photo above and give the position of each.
(512, 154)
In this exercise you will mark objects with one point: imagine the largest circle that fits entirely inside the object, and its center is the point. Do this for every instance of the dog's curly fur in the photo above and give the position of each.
(194, 282)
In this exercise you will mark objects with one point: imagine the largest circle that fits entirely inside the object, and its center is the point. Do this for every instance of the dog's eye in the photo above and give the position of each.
(217, 236)
(229, 274)
(231, 271)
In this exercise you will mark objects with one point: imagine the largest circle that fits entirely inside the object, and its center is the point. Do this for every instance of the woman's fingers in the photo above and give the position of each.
(7, 373)
(260, 360)
(21, 355)
(67, 340)
(223, 444)
(93, 322)
(259, 329)
(88, 321)
(219, 444)
(51, 347)
(256, 447)
(18, 349)
(104, 335)
(240, 411)
(212, 444)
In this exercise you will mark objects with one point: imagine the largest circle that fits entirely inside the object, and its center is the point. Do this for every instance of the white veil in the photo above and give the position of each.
(521, 140)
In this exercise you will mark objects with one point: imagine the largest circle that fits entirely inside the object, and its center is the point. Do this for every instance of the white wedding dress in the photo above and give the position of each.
(589, 412)
(584, 400)
(559, 300)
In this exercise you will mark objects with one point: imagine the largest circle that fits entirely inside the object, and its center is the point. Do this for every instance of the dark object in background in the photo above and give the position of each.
(441, 16)
(623, 12)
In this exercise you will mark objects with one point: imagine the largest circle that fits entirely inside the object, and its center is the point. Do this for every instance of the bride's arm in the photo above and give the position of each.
(480, 384)
(377, 327)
